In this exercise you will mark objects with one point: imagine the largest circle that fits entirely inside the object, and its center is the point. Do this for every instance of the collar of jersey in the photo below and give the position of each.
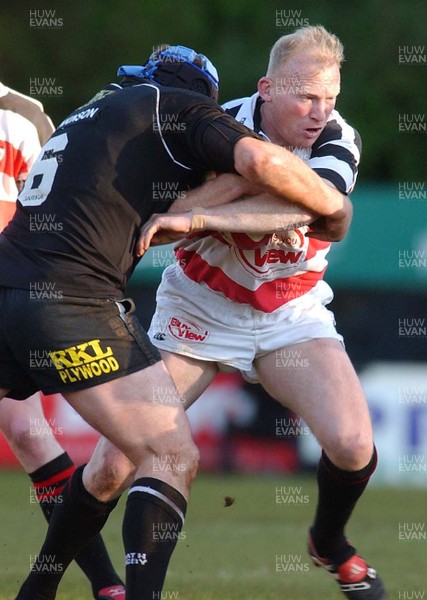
(246, 112)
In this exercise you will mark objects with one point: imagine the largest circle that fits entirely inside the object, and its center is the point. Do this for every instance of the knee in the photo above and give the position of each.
(109, 479)
(192, 459)
(351, 452)
(177, 461)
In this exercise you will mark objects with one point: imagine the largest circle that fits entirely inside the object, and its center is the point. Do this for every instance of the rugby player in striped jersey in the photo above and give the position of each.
(246, 292)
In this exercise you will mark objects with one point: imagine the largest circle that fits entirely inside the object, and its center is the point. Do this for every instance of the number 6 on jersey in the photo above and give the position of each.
(39, 182)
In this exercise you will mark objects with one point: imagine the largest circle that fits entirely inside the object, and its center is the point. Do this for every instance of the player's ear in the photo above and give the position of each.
(264, 88)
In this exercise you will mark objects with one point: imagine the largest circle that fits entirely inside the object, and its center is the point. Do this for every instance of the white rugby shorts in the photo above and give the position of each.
(192, 320)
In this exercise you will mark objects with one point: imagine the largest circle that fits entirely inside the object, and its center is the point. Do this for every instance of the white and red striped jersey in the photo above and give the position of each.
(24, 128)
(268, 271)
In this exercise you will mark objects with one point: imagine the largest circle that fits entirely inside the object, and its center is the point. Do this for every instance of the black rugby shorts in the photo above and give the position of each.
(67, 344)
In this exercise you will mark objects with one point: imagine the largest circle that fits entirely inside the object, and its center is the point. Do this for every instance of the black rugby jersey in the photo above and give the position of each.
(128, 153)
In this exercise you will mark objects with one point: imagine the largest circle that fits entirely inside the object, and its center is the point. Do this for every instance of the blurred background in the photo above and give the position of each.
(61, 53)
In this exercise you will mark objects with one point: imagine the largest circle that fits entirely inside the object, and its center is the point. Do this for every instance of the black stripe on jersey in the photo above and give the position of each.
(337, 152)
(233, 111)
(333, 131)
(257, 115)
(334, 178)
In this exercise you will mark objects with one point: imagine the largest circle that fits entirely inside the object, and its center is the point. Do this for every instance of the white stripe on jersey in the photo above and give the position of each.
(333, 164)
(348, 135)
(246, 111)
(159, 127)
(348, 142)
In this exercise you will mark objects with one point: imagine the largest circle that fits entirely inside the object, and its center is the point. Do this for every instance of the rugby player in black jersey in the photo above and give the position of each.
(63, 294)
(24, 128)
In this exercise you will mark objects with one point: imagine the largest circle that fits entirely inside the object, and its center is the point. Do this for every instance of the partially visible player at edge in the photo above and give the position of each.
(24, 128)
(96, 175)
(266, 296)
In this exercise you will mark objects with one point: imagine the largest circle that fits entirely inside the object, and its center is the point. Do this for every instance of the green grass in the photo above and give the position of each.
(229, 553)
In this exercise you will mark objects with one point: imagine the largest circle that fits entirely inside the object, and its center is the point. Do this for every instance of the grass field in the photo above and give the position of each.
(252, 550)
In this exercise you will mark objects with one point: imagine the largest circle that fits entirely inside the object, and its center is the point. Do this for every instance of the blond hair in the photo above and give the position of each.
(312, 40)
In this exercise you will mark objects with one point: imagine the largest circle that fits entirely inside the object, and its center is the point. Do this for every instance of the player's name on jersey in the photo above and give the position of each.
(88, 113)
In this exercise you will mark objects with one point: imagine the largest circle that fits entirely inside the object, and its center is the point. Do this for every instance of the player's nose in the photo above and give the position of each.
(318, 111)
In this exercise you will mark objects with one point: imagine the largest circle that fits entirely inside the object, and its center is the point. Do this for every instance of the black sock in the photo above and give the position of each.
(93, 559)
(339, 491)
(154, 516)
(49, 481)
(73, 522)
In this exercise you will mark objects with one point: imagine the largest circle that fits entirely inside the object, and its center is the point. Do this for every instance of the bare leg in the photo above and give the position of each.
(109, 469)
(48, 466)
(327, 394)
(146, 428)
(30, 449)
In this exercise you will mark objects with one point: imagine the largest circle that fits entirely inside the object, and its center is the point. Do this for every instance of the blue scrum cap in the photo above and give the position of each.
(177, 66)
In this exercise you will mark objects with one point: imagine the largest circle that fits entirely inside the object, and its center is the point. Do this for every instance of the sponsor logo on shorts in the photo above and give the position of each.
(84, 361)
(186, 330)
